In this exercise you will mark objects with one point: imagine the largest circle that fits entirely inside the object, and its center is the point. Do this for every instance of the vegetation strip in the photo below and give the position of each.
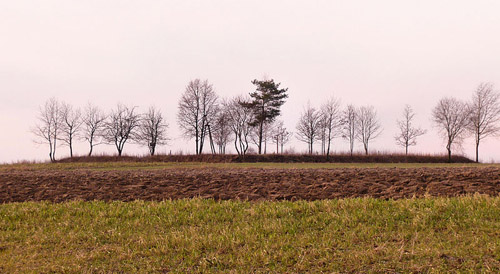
(348, 235)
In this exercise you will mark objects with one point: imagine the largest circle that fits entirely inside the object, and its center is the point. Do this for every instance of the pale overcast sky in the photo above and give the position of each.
(386, 53)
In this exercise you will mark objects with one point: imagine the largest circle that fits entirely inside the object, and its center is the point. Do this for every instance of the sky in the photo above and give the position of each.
(384, 53)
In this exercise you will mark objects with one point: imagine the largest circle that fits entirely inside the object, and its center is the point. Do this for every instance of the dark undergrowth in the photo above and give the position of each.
(275, 158)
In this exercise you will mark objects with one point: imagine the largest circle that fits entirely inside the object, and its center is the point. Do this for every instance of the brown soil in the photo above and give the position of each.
(245, 184)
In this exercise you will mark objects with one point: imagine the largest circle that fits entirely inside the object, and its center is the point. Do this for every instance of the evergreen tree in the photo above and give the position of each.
(265, 105)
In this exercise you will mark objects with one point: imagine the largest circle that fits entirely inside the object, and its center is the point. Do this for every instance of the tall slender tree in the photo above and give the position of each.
(280, 136)
(239, 122)
(221, 127)
(368, 126)
(484, 115)
(72, 121)
(349, 126)
(266, 102)
(49, 125)
(308, 127)
(94, 121)
(331, 122)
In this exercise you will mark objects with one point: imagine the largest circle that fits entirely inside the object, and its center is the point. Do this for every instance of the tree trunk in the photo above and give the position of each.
(477, 151)
(91, 147)
(236, 144)
(261, 128)
(329, 144)
(196, 140)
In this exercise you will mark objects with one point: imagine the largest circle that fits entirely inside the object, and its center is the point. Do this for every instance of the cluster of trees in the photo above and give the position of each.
(454, 119)
(331, 121)
(203, 115)
(478, 117)
(243, 120)
(59, 121)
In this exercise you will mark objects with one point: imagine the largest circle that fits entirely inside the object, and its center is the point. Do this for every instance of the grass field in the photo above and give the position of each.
(361, 235)
(170, 165)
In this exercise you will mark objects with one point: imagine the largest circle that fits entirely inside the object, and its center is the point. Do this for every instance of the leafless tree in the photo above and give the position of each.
(222, 127)
(239, 120)
(308, 127)
(72, 120)
(152, 130)
(49, 125)
(349, 126)
(121, 126)
(262, 135)
(368, 126)
(330, 123)
(197, 111)
(451, 116)
(484, 114)
(408, 133)
(93, 125)
(280, 136)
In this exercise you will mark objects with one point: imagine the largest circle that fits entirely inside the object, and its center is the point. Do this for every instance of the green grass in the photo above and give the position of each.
(360, 235)
(168, 165)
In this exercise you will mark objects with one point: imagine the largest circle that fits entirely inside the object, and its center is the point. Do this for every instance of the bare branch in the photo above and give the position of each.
(71, 125)
(484, 114)
(93, 126)
(197, 110)
(349, 126)
(121, 127)
(308, 127)
(49, 125)
(152, 130)
(368, 126)
(451, 116)
(408, 133)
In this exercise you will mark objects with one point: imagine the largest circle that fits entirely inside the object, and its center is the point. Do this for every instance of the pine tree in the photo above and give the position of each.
(265, 104)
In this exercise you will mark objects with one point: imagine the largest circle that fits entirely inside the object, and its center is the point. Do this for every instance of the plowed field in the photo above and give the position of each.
(59, 185)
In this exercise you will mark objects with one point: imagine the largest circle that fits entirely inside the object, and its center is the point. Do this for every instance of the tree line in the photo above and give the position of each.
(59, 121)
(254, 119)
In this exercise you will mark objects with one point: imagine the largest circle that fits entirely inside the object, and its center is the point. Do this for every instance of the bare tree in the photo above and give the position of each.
(197, 111)
(94, 123)
(49, 125)
(308, 127)
(408, 133)
(349, 125)
(368, 126)
(262, 135)
(451, 116)
(239, 120)
(152, 130)
(484, 114)
(222, 127)
(280, 136)
(72, 120)
(121, 126)
(330, 123)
